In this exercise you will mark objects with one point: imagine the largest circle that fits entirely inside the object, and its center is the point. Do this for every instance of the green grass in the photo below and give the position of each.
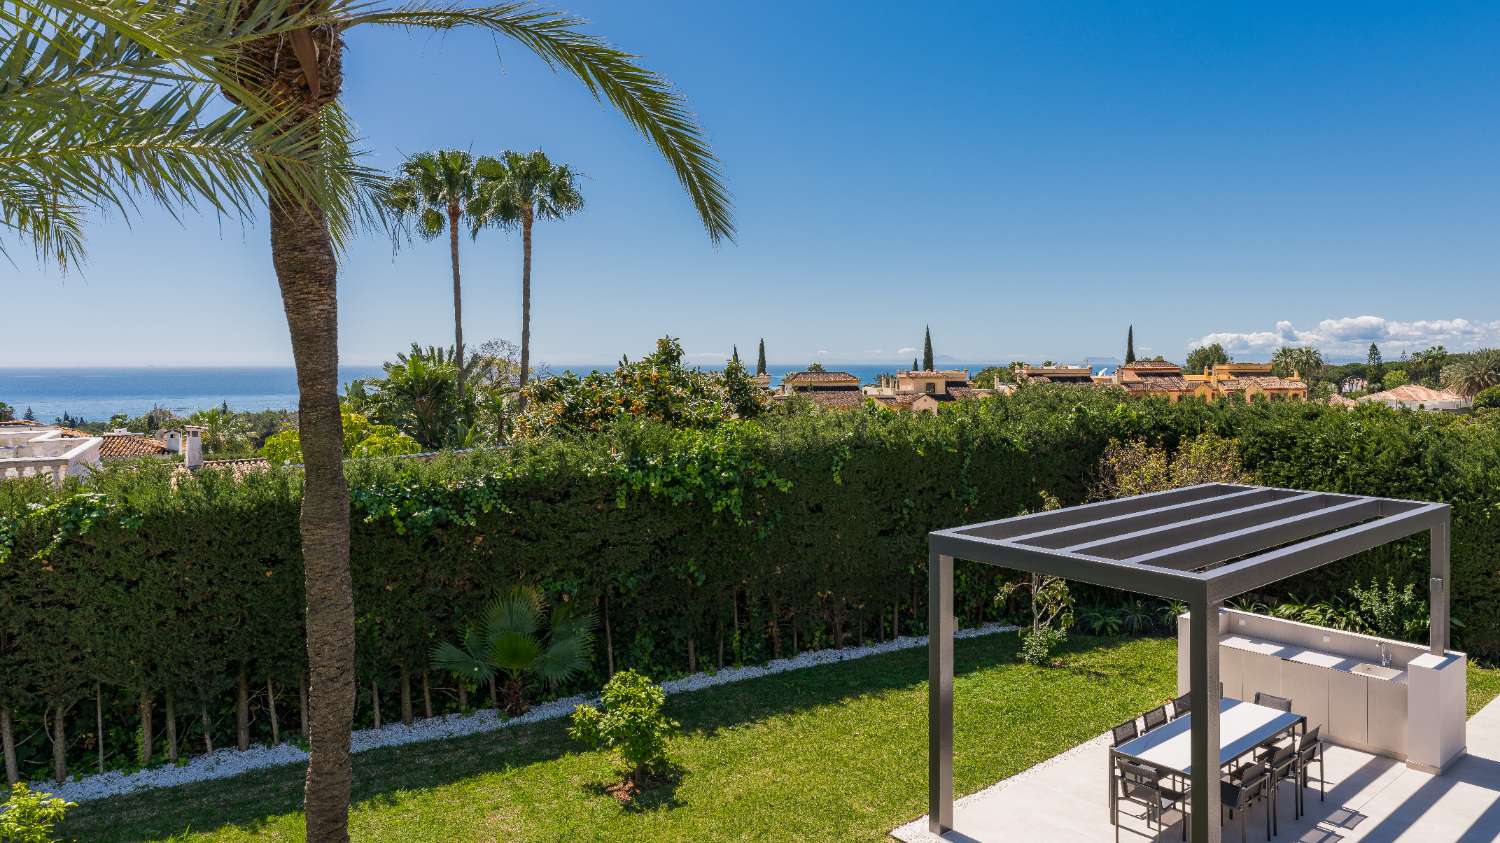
(831, 753)
(1484, 685)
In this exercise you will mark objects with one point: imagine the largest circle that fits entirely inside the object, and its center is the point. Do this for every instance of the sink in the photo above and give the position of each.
(1375, 671)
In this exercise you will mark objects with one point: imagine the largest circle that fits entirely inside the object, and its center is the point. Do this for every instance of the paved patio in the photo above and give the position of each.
(1370, 798)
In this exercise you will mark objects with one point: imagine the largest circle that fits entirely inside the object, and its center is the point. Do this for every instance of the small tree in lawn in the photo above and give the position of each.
(508, 641)
(630, 722)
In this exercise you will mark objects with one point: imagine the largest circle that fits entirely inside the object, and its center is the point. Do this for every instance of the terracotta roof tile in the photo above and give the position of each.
(820, 377)
(125, 445)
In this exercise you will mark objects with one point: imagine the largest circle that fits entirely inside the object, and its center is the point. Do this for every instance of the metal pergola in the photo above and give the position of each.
(1200, 545)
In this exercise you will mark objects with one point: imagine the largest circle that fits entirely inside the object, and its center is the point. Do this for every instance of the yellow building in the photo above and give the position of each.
(923, 391)
(1156, 378)
(826, 389)
(1247, 381)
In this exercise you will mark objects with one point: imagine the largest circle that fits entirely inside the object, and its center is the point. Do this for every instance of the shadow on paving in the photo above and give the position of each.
(249, 800)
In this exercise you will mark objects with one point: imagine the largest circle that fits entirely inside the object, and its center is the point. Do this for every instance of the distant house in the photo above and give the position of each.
(1348, 385)
(1247, 381)
(826, 389)
(923, 391)
(1416, 397)
(28, 449)
(1156, 378)
(1080, 375)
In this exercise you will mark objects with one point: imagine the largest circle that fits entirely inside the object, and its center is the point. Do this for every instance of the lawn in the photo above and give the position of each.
(830, 753)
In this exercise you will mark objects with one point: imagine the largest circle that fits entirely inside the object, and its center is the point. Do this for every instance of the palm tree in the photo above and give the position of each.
(432, 192)
(118, 105)
(1469, 373)
(508, 641)
(518, 190)
(305, 68)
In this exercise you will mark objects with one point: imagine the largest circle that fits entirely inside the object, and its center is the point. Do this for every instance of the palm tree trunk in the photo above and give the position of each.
(307, 270)
(526, 220)
(458, 302)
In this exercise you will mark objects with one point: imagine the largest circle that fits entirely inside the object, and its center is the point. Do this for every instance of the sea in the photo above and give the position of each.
(96, 394)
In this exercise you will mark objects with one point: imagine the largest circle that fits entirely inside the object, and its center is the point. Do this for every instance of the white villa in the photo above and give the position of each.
(32, 449)
(28, 449)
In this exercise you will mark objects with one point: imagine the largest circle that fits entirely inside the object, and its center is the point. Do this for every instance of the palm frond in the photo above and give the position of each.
(646, 99)
(518, 611)
(470, 667)
(106, 101)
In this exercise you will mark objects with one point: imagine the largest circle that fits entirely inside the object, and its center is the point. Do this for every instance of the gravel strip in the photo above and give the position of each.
(224, 763)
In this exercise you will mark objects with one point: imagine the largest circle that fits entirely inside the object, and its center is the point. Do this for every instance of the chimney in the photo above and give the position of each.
(192, 447)
(172, 439)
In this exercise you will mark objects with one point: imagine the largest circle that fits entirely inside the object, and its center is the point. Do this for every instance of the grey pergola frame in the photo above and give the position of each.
(1200, 545)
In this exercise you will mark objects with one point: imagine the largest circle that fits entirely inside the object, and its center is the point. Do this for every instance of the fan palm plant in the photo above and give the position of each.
(517, 190)
(431, 193)
(508, 641)
(116, 100)
(1470, 373)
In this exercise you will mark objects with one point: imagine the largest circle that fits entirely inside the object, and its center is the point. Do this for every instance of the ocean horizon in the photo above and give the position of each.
(96, 393)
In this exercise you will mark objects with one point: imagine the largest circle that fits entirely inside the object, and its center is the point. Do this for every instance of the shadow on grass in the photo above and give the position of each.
(251, 800)
(660, 791)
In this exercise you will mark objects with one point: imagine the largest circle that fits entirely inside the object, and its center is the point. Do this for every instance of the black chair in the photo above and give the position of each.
(1309, 750)
(1252, 788)
(1141, 784)
(1153, 718)
(1124, 732)
(1281, 766)
(1273, 701)
(1182, 705)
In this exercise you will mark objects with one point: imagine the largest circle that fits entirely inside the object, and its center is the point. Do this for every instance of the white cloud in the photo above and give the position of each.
(1352, 335)
(907, 350)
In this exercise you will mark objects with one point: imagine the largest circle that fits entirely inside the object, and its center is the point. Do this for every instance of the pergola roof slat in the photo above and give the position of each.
(1005, 528)
(1215, 549)
(1060, 537)
(1130, 545)
(1266, 568)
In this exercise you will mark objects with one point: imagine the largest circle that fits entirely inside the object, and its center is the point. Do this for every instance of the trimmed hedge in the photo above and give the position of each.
(696, 548)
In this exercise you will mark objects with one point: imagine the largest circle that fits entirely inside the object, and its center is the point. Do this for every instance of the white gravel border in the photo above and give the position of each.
(224, 763)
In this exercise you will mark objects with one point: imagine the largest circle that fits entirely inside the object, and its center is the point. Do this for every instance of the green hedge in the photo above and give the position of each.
(751, 540)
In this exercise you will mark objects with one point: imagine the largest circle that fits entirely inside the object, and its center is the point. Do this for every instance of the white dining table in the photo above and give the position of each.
(1242, 727)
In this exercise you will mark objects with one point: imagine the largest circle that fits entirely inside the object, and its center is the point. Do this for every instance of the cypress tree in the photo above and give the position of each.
(927, 350)
(736, 356)
(914, 364)
(1130, 344)
(760, 361)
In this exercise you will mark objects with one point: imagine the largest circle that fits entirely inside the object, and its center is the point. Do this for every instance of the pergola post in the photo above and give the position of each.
(1439, 583)
(1203, 659)
(939, 693)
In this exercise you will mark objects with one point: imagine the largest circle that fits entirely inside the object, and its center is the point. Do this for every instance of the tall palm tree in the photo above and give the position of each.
(305, 69)
(519, 189)
(431, 193)
(280, 63)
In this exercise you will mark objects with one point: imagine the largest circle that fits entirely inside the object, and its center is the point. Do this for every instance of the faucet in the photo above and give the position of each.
(1385, 655)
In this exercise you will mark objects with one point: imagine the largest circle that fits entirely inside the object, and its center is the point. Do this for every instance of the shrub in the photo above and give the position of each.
(1489, 397)
(630, 722)
(509, 641)
(28, 816)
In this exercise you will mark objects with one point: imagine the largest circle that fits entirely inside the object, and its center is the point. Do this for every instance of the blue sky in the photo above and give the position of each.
(1028, 178)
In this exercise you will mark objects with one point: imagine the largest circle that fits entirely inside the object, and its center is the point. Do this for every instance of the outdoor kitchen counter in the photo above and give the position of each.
(1314, 658)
